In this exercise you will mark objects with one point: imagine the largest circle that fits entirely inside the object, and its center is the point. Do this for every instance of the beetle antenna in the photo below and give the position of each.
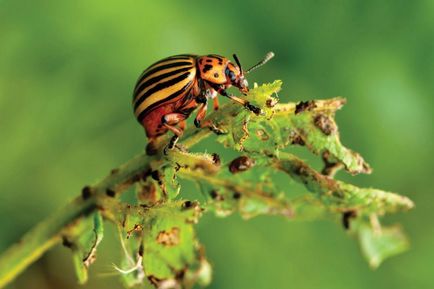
(267, 57)
(238, 62)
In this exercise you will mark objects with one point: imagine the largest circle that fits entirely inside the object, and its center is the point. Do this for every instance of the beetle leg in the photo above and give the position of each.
(216, 103)
(182, 125)
(169, 121)
(212, 93)
(201, 115)
(256, 110)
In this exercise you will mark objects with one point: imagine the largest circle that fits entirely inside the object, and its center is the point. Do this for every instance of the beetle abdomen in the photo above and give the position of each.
(166, 81)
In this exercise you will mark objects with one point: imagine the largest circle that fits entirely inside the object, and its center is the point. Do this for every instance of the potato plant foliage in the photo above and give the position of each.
(157, 230)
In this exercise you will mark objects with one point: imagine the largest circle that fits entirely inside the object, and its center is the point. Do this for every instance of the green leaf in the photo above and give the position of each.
(238, 127)
(377, 245)
(169, 240)
(160, 245)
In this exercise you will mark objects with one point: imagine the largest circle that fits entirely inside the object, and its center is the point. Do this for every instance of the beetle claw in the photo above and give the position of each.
(166, 150)
(256, 110)
(171, 144)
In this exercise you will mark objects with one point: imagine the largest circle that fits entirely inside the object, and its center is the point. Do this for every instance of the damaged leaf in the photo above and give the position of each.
(84, 240)
(165, 249)
(377, 244)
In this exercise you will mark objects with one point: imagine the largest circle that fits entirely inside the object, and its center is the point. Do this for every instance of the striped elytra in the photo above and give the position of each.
(165, 81)
(170, 89)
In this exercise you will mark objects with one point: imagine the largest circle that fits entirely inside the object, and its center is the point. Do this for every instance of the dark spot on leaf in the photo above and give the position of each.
(169, 238)
(154, 280)
(141, 249)
(137, 228)
(262, 135)
(216, 196)
(241, 164)
(180, 274)
(146, 174)
(114, 171)
(295, 138)
(216, 159)
(110, 193)
(237, 195)
(347, 217)
(86, 192)
(213, 194)
(325, 124)
(305, 105)
(66, 242)
(302, 171)
(271, 102)
(151, 149)
(330, 167)
(156, 176)
(187, 204)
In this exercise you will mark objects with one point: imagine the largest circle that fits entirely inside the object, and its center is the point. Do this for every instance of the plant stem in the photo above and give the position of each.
(339, 195)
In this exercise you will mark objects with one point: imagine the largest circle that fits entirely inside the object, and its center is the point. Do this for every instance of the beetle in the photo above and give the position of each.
(241, 164)
(169, 90)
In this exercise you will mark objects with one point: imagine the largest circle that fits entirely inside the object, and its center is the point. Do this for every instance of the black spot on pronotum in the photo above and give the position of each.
(206, 68)
(346, 218)
(110, 193)
(209, 60)
(216, 75)
(86, 192)
(304, 105)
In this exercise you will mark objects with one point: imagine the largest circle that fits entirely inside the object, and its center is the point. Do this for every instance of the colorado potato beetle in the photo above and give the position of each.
(169, 90)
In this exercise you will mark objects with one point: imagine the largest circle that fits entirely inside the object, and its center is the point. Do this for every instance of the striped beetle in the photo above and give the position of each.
(169, 90)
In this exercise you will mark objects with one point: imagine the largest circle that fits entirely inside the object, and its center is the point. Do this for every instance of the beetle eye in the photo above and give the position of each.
(230, 74)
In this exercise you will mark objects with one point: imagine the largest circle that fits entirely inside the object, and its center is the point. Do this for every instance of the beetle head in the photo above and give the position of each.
(235, 74)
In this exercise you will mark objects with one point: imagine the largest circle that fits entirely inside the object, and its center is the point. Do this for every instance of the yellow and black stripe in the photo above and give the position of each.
(164, 81)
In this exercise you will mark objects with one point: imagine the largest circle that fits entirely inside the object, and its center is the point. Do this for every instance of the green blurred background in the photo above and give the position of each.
(67, 69)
